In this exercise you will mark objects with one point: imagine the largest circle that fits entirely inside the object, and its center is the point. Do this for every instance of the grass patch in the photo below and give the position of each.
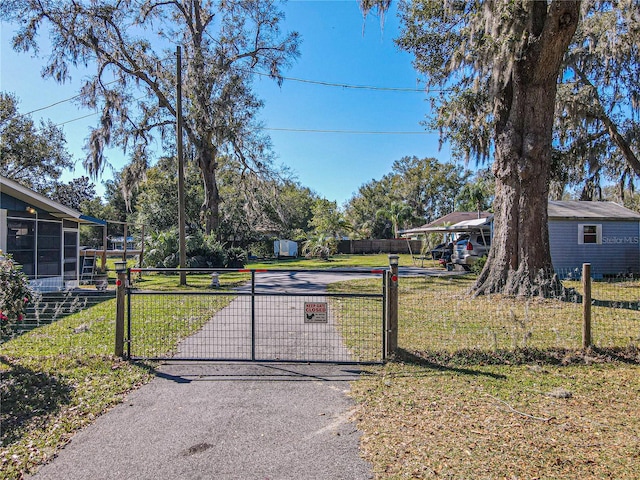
(336, 261)
(359, 319)
(486, 422)
(60, 377)
(496, 387)
(159, 322)
(438, 314)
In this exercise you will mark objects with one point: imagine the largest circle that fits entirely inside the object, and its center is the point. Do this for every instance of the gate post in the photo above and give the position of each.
(121, 271)
(586, 305)
(392, 306)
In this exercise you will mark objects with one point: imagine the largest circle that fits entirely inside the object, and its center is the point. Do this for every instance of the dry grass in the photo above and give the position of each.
(492, 388)
(527, 421)
(438, 314)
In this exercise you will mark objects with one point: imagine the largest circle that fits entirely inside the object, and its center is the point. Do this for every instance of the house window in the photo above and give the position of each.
(589, 234)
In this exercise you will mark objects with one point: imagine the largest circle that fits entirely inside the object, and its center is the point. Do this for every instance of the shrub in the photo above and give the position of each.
(320, 246)
(203, 251)
(236, 257)
(15, 294)
(163, 248)
(478, 265)
(213, 251)
(261, 248)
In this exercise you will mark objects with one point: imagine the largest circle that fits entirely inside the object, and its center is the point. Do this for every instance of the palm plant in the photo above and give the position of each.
(396, 213)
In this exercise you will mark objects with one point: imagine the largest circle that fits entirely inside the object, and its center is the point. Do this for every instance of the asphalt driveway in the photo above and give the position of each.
(224, 421)
(200, 420)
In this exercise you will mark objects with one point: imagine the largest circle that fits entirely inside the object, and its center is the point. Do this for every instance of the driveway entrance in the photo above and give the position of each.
(280, 315)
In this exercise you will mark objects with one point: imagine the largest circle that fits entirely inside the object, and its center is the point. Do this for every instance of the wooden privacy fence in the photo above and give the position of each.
(395, 245)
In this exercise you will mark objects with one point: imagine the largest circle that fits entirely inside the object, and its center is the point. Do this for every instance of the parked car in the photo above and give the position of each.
(438, 251)
(467, 251)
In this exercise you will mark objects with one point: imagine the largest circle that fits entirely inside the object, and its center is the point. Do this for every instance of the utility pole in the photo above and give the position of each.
(181, 214)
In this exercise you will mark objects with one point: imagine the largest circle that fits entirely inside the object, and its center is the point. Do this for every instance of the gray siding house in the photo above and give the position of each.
(604, 234)
(42, 235)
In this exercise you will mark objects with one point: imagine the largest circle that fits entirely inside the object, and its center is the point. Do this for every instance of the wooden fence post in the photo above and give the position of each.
(392, 306)
(120, 297)
(586, 305)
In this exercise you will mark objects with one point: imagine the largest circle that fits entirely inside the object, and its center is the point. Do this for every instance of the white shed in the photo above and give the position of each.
(285, 248)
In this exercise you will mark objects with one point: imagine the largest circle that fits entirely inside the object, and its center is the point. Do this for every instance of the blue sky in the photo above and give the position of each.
(333, 50)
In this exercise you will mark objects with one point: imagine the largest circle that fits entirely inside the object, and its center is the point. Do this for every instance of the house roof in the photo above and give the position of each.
(574, 209)
(20, 192)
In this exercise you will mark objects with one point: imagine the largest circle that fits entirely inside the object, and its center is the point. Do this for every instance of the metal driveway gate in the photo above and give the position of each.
(279, 315)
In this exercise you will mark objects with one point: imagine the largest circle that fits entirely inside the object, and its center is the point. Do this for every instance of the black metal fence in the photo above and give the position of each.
(255, 315)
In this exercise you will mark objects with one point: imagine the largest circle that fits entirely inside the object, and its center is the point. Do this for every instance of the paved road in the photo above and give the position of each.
(226, 421)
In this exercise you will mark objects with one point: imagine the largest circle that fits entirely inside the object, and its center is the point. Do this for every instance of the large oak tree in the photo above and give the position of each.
(499, 64)
(131, 43)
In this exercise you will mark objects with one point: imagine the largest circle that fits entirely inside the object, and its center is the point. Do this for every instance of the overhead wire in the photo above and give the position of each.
(349, 132)
(59, 102)
(292, 79)
(358, 87)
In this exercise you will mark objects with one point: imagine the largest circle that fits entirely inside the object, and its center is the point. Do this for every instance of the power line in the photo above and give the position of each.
(348, 132)
(51, 105)
(355, 87)
(76, 119)
(292, 79)
(303, 130)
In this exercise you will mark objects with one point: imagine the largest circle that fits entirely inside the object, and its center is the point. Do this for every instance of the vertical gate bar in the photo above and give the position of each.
(120, 292)
(392, 313)
(128, 292)
(253, 315)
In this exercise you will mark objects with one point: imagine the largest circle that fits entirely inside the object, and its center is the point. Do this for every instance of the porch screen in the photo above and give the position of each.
(49, 249)
(21, 243)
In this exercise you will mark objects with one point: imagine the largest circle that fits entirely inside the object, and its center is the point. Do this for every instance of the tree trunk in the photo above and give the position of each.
(520, 259)
(210, 209)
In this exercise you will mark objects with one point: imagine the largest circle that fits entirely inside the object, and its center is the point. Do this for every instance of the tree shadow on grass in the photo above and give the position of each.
(26, 395)
(460, 361)
(418, 359)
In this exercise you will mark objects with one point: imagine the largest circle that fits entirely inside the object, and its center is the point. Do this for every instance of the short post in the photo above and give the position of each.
(121, 271)
(392, 306)
(586, 305)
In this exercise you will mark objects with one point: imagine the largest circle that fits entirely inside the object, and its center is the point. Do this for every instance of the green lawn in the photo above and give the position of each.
(544, 410)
